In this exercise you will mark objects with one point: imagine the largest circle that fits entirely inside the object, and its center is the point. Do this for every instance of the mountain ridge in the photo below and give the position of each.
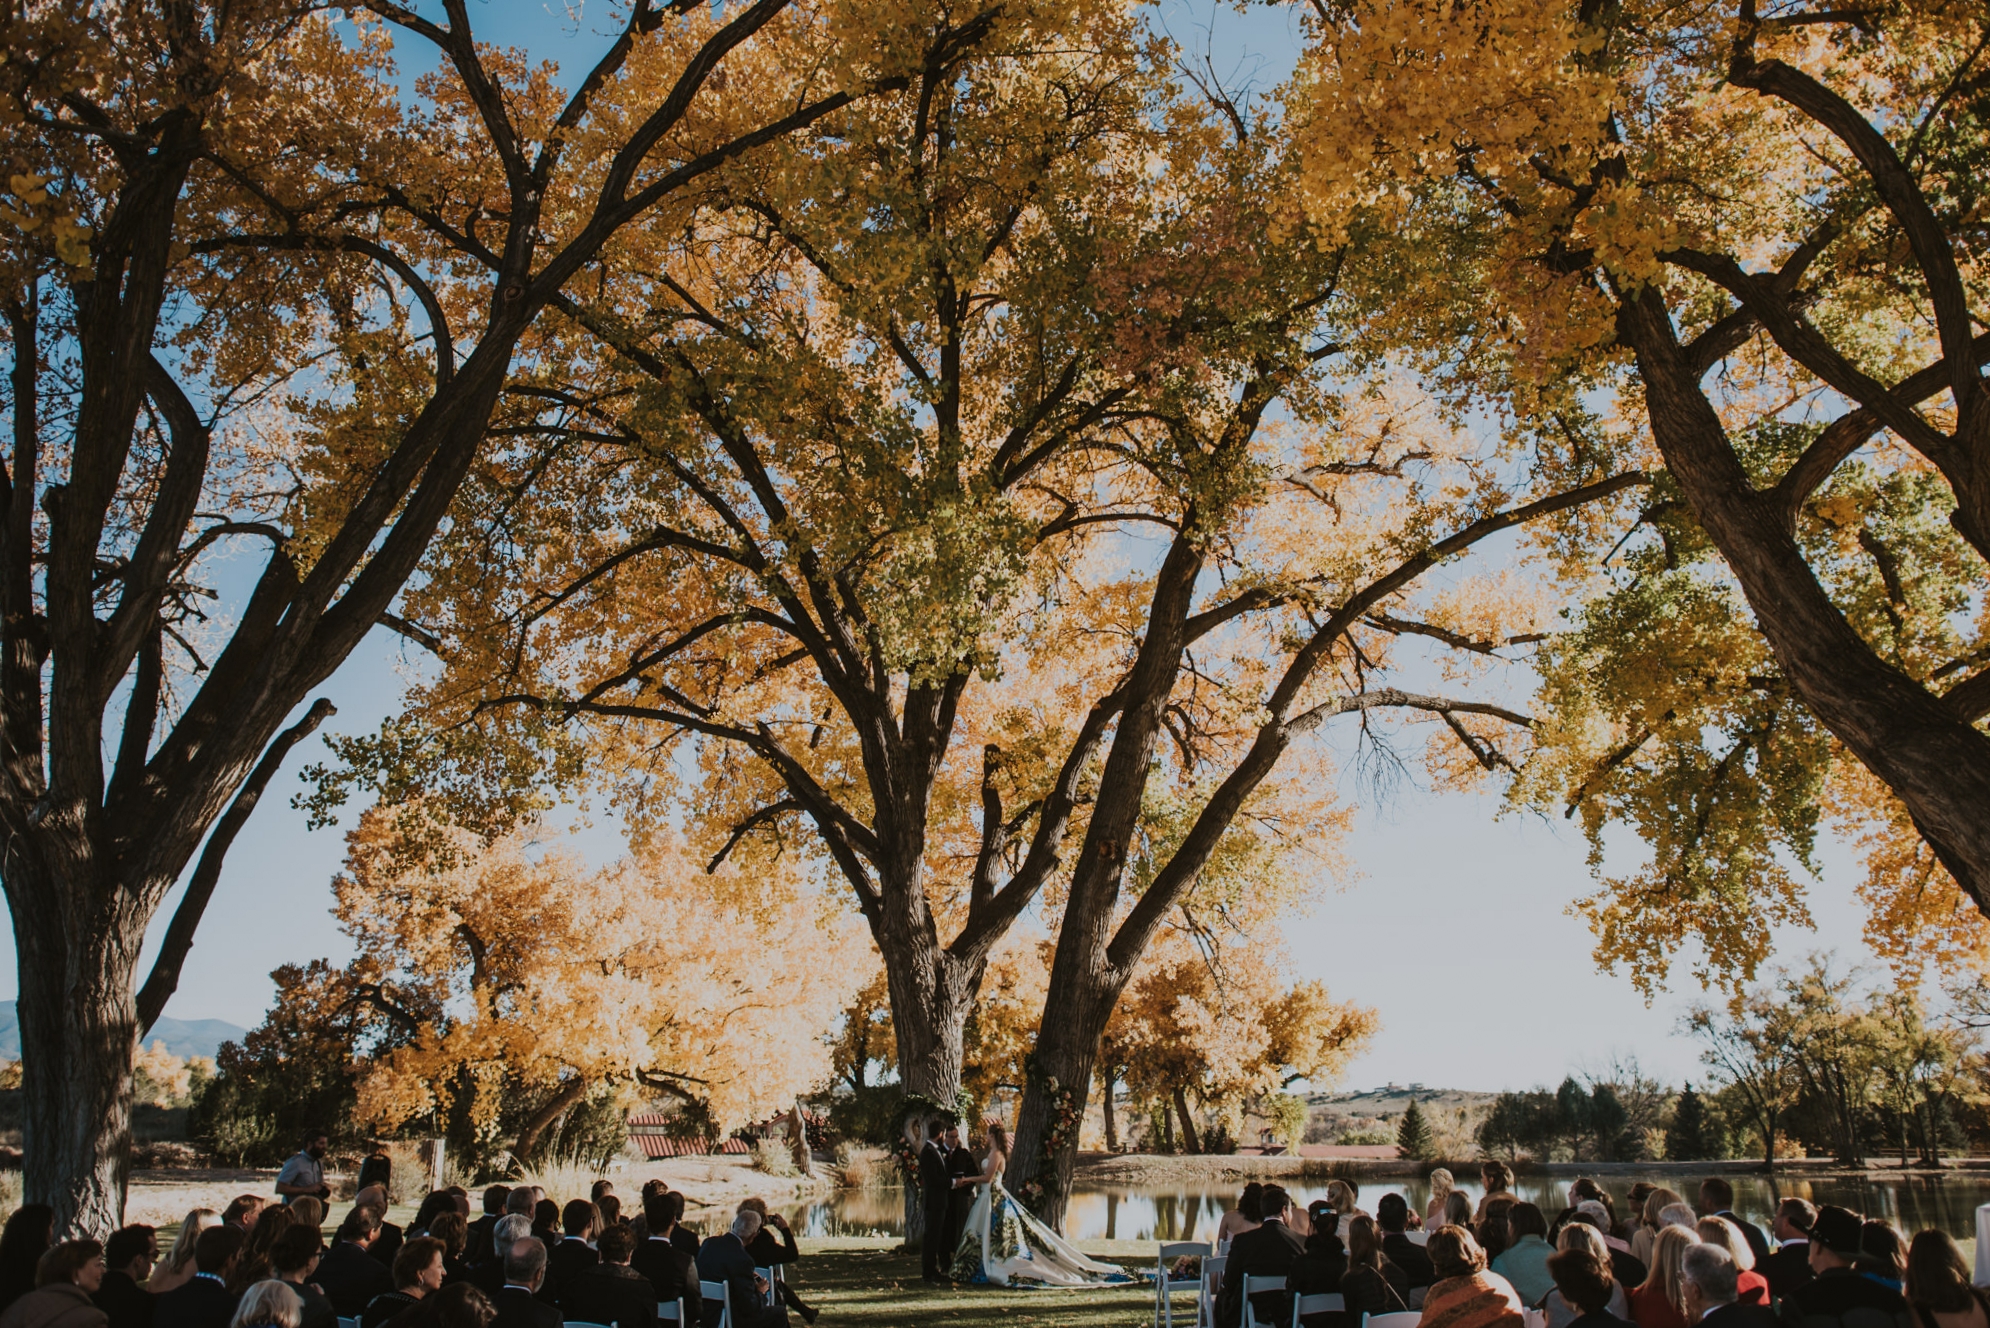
(183, 1037)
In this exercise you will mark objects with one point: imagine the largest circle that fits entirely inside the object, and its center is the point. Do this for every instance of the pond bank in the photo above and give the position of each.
(1142, 1169)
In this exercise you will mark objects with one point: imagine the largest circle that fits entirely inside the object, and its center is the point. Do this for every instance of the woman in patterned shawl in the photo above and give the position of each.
(1465, 1295)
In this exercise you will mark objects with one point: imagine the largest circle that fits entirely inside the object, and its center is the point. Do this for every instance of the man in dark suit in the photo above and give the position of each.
(477, 1244)
(1789, 1267)
(724, 1259)
(488, 1276)
(960, 1166)
(518, 1303)
(205, 1301)
(1707, 1282)
(388, 1241)
(1717, 1200)
(1392, 1214)
(935, 1188)
(670, 1272)
(128, 1259)
(1269, 1251)
(611, 1291)
(350, 1276)
(1838, 1297)
(573, 1256)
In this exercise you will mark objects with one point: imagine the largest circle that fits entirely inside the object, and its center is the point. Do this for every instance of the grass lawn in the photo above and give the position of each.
(858, 1281)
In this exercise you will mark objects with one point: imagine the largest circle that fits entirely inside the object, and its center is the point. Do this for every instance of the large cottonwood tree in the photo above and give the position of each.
(256, 300)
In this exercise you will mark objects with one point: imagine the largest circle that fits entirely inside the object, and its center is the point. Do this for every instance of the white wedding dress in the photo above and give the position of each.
(1003, 1244)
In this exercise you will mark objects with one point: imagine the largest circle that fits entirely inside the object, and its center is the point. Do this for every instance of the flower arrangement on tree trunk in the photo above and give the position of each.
(1060, 1127)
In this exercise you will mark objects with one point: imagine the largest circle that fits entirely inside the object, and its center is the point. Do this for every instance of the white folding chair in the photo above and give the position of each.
(1165, 1286)
(773, 1276)
(674, 1311)
(1324, 1302)
(1253, 1285)
(1212, 1277)
(1408, 1320)
(718, 1291)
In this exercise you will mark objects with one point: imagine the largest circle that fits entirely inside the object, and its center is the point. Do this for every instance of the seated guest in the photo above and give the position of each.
(488, 1276)
(295, 1259)
(268, 1304)
(1497, 1177)
(1717, 1200)
(1321, 1265)
(254, 1264)
(242, 1211)
(610, 1208)
(658, 1258)
(1392, 1215)
(417, 1275)
(348, 1274)
(611, 1291)
(177, 1268)
(1373, 1283)
(1457, 1211)
(66, 1277)
(1938, 1286)
(580, 1222)
(1582, 1238)
(724, 1259)
(433, 1205)
(1584, 1283)
(1269, 1251)
(29, 1234)
(1244, 1217)
(387, 1244)
(1465, 1295)
(1838, 1297)
(1708, 1278)
(1342, 1197)
(1624, 1266)
(1524, 1262)
(1658, 1301)
(1650, 1220)
(308, 1211)
(1789, 1266)
(1492, 1232)
(768, 1251)
(128, 1259)
(518, 1303)
(1751, 1288)
(479, 1240)
(453, 1232)
(1882, 1256)
(205, 1301)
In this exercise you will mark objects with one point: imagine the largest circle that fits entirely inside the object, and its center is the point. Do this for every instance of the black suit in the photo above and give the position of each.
(1738, 1316)
(960, 1165)
(519, 1308)
(1269, 1251)
(201, 1303)
(684, 1238)
(613, 1293)
(1841, 1298)
(1751, 1233)
(724, 1259)
(480, 1244)
(1409, 1256)
(935, 1188)
(670, 1272)
(387, 1244)
(1627, 1269)
(567, 1261)
(124, 1302)
(351, 1278)
(1787, 1269)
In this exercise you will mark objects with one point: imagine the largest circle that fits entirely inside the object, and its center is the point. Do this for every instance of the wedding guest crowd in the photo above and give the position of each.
(527, 1262)
(1664, 1264)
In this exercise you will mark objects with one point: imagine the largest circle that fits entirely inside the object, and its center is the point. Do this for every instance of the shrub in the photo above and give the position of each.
(772, 1157)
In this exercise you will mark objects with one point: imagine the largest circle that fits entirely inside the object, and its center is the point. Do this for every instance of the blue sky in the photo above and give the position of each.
(1455, 928)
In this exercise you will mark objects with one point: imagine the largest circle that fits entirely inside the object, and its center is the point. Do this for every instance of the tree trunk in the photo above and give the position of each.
(931, 996)
(1105, 1107)
(78, 948)
(1188, 1122)
(1932, 758)
(536, 1125)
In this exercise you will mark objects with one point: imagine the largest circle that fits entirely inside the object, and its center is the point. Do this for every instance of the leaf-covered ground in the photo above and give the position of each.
(858, 1281)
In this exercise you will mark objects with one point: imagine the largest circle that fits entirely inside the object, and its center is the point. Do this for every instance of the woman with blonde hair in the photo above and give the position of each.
(1441, 1186)
(1649, 1222)
(1661, 1301)
(1751, 1288)
(268, 1305)
(176, 1269)
(1342, 1195)
(1465, 1295)
(1584, 1239)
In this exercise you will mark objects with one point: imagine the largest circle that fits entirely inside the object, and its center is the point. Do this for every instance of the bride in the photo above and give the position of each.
(1002, 1244)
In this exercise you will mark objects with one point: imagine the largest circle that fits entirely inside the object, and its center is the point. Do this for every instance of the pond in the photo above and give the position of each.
(1191, 1212)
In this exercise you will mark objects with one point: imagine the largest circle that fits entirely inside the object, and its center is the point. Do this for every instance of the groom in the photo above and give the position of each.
(935, 1187)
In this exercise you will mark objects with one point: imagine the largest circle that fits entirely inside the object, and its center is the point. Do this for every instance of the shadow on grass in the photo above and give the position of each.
(866, 1282)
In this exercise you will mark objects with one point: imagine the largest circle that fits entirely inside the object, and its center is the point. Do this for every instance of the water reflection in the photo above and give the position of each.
(1191, 1211)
